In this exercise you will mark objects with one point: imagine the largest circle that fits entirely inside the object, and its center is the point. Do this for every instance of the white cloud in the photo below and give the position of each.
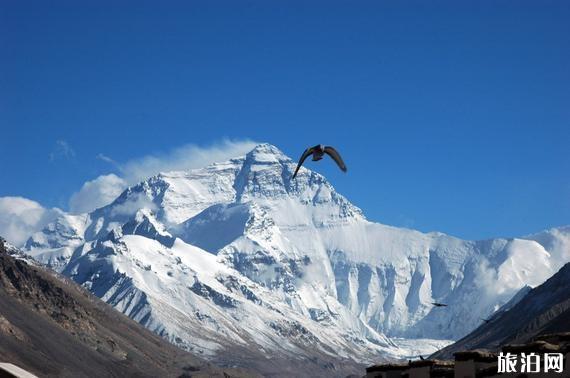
(96, 193)
(63, 150)
(106, 159)
(134, 204)
(21, 217)
(183, 158)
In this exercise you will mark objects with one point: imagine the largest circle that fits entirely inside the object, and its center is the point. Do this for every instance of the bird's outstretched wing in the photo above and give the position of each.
(336, 157)
(307, 152)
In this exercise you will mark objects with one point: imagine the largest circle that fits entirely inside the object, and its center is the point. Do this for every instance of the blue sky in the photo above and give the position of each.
(451, 116)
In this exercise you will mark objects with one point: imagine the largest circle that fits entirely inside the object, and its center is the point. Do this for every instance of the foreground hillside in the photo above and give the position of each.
(240, 263)
(543, 310)
(54, 328)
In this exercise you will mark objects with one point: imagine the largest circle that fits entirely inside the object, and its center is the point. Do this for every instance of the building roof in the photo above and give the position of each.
(386, 367)
(433, 363)
(476, 355)
(535, 346)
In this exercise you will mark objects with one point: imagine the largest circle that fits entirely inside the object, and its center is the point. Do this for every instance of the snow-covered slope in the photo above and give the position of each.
(239, 255)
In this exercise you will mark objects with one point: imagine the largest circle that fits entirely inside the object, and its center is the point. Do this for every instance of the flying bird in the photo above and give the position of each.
(439, 304)
(487, 321)
(318, 151)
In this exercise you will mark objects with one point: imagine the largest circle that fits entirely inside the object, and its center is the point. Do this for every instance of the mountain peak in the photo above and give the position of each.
(266, 153)
(266, 148)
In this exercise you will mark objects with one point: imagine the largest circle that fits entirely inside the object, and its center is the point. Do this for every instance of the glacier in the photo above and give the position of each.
(238, 257)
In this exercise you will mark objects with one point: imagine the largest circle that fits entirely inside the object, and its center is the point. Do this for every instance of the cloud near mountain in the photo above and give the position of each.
(96, 193)
(21, 217)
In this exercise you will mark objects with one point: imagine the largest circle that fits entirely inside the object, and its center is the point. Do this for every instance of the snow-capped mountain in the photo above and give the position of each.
(238, 255)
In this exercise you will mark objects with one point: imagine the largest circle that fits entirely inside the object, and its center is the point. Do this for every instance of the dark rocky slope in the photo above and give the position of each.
(545, 309)
(52, 327)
